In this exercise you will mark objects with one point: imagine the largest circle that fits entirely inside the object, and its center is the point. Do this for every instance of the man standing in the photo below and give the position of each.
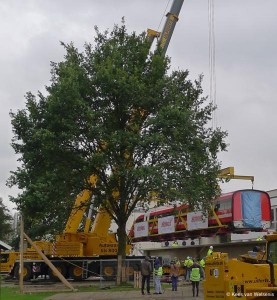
(187, 264)
(195, 276)
(174, 272)
(158, 272)
(146, 270)
(202, 263)
(210, 251)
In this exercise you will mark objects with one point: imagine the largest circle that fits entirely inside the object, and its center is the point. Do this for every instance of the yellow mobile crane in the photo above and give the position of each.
(76, 254)
(251, 277)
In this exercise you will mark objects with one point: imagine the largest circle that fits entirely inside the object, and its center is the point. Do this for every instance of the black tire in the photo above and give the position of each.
(61, 268)
(76, 272)
(109, 271)
(27, 272)
(129, 271)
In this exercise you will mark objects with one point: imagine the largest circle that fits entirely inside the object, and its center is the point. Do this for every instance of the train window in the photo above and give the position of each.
(225, 204)
(229, 203)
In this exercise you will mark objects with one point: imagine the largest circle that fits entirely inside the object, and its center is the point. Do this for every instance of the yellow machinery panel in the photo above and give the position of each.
(234, 279)
(67, 249)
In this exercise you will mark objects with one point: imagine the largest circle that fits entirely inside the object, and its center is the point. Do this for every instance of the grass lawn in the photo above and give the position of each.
(11, 293)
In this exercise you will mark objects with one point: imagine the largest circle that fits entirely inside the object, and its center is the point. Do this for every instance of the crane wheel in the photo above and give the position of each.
(76, 272)
(27, 272)
(129, 271)
(53, 275)
(109, 271)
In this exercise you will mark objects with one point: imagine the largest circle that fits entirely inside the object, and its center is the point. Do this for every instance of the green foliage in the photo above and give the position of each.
(5, 222)
(116, 111)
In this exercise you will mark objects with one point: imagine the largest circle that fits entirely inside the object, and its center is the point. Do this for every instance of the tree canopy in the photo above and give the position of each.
(119, 112)
(5, 222)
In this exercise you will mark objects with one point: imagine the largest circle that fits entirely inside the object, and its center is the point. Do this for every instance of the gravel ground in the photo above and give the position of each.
(184, 292)
(105, 292)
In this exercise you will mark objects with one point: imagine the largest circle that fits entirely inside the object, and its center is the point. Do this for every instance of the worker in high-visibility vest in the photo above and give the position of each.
(210, 251)
(175, 244)
(158, 272)
(195, 277)
(202, 262)
(187, 264)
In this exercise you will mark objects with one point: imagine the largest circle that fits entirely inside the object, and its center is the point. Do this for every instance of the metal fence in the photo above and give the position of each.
(107, 275)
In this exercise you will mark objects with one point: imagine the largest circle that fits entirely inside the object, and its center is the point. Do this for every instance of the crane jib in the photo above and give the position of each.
(172, 18)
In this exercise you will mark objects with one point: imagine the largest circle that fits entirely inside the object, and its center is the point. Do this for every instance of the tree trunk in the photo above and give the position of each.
(121, 235)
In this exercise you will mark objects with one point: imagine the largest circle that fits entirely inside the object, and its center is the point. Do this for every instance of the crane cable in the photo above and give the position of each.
(212, 73)
(163, 15)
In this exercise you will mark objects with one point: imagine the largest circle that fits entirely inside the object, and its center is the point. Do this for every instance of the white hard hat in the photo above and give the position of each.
(188, 257)
(211, 247)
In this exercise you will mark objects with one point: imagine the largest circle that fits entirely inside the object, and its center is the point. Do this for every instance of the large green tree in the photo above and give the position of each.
(117, 111)
(5, 222)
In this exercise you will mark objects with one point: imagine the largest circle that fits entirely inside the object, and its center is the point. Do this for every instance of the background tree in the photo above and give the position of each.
(5, 222)
(117, 111)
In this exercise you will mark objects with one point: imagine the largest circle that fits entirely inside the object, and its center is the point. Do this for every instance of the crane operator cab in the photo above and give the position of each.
(272, 251)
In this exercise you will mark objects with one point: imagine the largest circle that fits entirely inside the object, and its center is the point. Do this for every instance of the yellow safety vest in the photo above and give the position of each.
(195, 274)
(159, 272)
(202, 263)
(210, 252)
(190, 263)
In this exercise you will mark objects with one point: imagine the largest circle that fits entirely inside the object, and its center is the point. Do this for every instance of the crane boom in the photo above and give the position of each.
(83, 198)
(229, 173)
(165, 36)
(79, 208)
(172, 18)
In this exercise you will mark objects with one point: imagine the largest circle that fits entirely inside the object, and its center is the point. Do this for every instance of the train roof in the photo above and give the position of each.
(170, 208)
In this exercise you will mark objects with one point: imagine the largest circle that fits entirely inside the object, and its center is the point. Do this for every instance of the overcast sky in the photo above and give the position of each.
(246, 66)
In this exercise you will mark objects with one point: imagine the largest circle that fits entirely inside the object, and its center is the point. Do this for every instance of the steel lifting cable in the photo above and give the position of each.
(76, 265)
(163, 16)
(212, 72)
